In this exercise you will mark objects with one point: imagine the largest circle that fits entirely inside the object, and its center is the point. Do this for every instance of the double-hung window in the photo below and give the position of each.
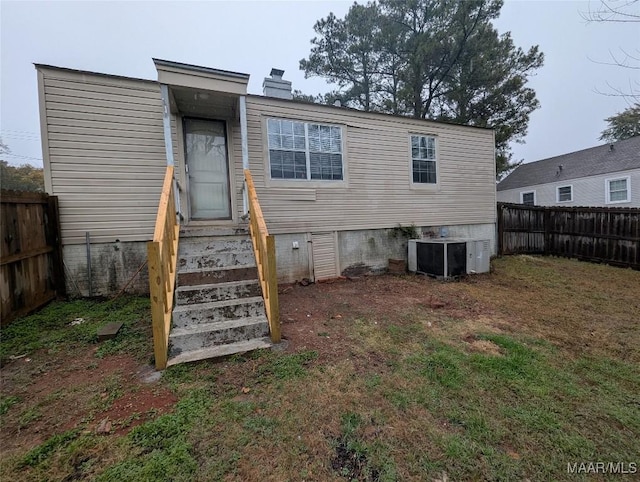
(528, 198)
(618, 190)
(564, 194)
(304, 150)
(423, 159)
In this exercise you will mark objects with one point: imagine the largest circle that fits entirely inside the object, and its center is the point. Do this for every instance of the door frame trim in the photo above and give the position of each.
(230, 172)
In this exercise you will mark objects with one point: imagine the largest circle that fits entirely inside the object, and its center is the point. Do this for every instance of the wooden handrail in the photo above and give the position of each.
(162, 255)
(264, 247)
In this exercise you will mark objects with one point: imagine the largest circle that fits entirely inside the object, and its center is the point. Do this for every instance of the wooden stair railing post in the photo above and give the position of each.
(156, 285)
(272, 283)
(162, 255)
(265, 253)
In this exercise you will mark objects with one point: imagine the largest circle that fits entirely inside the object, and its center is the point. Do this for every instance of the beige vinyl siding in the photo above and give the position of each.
(106, 154)
(377, 191)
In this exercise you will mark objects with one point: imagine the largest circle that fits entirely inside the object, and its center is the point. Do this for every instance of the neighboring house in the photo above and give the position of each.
(607, 175)
(332, 182)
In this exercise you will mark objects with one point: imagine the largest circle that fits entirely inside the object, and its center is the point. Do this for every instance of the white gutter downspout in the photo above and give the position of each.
(168, 143)
(245, 151)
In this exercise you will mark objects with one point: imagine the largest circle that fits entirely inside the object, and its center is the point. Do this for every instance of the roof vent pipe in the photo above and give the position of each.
(276, 86)
(337, 103)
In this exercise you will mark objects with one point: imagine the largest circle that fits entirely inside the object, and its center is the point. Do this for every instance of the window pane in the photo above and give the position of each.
(274, 126)
(619, 185)
(286, 127)
(288, 165)
(424, 171)
(564, 193)
(527, 198)
(618, 195)
(298, 128)
(326, 166)
(274, 141)
(299, 143)
(423, 147)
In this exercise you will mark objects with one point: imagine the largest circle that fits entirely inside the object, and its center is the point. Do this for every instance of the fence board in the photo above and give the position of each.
(31, 271)
(599, 234)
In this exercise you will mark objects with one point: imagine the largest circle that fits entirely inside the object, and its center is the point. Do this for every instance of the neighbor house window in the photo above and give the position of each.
(528, 198)
(564, 194)
(304, 150)
(423, 157)
(618, 190)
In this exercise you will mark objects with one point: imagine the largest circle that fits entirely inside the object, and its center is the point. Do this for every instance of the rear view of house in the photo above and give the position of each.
(332, 183)
(607, 175)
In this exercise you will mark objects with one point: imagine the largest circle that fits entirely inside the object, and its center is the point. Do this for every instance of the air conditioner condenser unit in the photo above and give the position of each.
(448, 257)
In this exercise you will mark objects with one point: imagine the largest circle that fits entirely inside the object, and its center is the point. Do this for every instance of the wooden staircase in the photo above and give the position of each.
(222, 280)
(219, 309)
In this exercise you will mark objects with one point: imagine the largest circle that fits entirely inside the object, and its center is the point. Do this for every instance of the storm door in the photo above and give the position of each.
(207, 169)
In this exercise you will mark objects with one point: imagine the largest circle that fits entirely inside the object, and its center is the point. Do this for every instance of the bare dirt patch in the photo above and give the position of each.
(317, 317)
(56, 394)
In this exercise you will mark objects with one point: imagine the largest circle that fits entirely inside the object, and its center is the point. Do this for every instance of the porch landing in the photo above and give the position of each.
(219, 309)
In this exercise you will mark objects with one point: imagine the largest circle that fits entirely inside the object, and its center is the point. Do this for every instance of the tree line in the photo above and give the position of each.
(428, 59)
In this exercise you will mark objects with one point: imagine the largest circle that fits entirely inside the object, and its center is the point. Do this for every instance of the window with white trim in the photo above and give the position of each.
(304, 150)
(423, 159)
(618, 190)
(528, 198)
(564, 194)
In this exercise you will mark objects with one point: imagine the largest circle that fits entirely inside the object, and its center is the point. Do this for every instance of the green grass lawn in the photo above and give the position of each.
(522, 372)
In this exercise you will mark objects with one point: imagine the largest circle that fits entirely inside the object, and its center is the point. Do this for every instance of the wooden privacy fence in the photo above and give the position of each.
(264, 248)
(31, 271)
(162, 254)
(599, 234)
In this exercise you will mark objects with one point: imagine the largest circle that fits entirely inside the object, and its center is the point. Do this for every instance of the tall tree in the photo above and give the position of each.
(623, 125)
(345, 52)
(429, 59)
(487, 88)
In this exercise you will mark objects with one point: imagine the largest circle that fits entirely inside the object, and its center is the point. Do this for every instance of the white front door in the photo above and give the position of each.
(208, 169)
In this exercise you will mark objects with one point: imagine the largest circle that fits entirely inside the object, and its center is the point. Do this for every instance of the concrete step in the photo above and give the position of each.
(186, 316)
(186, 295)
(207, 335)
(199, 231)
(205, 260)
(192, 277)
(221, 350)
(214, 244)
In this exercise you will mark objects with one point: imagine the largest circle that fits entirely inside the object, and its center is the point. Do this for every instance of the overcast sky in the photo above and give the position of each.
(253, 37)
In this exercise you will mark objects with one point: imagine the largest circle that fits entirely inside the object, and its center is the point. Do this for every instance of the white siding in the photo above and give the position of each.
(587, 191)
(377, 191)
(106, 155)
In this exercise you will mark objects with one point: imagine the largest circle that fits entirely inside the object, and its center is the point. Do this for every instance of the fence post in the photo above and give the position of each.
(53, 235)
(546, 221)
(500, 228)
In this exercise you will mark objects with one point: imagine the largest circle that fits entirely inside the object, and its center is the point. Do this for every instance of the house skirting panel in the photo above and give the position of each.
(113, 265)
(360, 252)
